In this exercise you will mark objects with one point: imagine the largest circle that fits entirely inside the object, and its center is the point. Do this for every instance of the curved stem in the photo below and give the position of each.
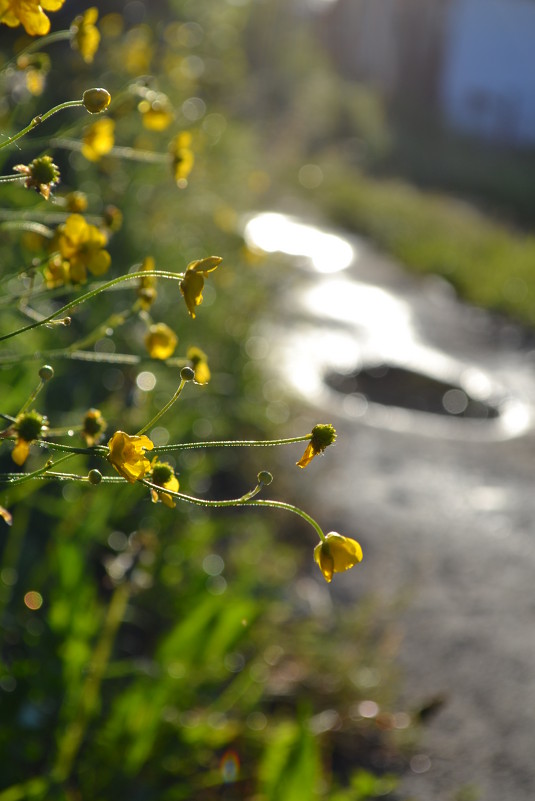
(245, 443)
(39, 119)
(167, 406)
(243, 501)
(92, 294)
(15, 482)
(42, 41)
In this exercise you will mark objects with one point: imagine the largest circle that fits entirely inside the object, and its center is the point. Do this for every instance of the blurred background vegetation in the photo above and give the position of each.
(185, 653)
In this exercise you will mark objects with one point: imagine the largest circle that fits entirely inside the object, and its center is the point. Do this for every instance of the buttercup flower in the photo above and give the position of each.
(337, 554)
(85, 35)
(94, 427)
(182, 157)
(199, 363)
(163, 474)
(57, 271)
(322, 436)
(28, 427)
(76, 201)
(31, 13)
(98, 139)
(156, 111)
(160, 341)
(41, 174)
(127, 455)
(192, 284)
(82, 245)
(146, 290)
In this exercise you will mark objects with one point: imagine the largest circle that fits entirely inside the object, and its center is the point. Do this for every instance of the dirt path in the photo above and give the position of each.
(444, 507)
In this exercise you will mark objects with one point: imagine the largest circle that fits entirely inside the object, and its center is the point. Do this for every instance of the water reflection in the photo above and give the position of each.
(337, 331)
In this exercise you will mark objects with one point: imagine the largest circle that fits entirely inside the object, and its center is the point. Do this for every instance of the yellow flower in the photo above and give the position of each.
(163, 474)
(82, 245)
(5, 515)
(28, 427)
(146, 290)
(337, 554)
(93, 428)
(98, 139)
(192, 284)
(57, 271)
(321, 437)
(199, 363)
(161, 341)
(182, 158)
(156, 112)
(85, 35)
(30, 13)
(127, 455)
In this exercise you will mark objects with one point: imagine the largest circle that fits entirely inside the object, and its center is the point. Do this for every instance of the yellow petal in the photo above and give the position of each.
(20, 452)
(307, 457)
(191, 288)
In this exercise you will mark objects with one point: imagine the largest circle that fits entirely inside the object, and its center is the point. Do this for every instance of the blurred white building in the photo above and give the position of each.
(471, 62)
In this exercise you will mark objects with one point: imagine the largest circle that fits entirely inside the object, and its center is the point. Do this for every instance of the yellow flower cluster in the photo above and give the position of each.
(29, 13)
(81, 248)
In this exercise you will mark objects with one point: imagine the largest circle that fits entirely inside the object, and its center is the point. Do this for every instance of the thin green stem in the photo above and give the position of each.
(39, 119)
(92, 294)
(42, 41)
(98, 450)
(243, 501)
(33, 396)
(167, 406)
(23, 479)
(114, 321)
(182, 446)
(5, 179)
(130, 153)
(26, 225)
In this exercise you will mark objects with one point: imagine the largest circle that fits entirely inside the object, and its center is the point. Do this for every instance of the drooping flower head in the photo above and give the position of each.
(146, 290)
(321, 437)
(29, 13)
(199, 363)
(28, 427)
(85, 34)
(94, 427)
(192, 284)
(127, 455)
(182, 158)
(163, 475)
(160, 341)
(337, 554)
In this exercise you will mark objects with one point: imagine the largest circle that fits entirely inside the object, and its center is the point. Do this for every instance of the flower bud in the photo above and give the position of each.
(187, 374)
(94, 477)
(264, 477)
(46, 372)
(96, 100)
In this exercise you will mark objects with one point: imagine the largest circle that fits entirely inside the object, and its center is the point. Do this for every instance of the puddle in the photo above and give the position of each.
(396, 386)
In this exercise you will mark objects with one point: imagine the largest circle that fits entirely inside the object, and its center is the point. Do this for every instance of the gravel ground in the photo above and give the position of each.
(443, 508)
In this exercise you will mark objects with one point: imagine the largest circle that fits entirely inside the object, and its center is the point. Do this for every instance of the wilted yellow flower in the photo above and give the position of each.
(182, 157)
(127, 455)
(160, 341)
(192, 284)
(94, 427)
(5, 515)
(337, 554)
(163, 474)
(82, 245)
(199, 363)
(156, 112)
(31, 13)
(321, 437)
(28, 427)
(98, 139)
(85, 35)
(41, 174)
